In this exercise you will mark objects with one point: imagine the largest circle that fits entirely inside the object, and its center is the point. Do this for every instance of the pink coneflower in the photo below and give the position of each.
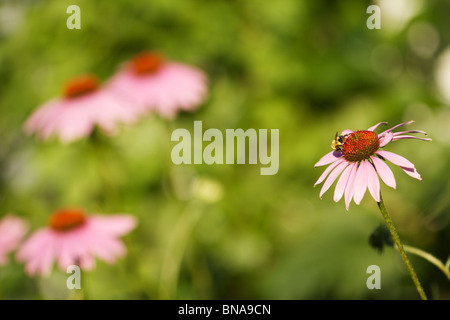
(84, 105)
(157, 84)
(12, 230)
(357, 155)
(72, 238)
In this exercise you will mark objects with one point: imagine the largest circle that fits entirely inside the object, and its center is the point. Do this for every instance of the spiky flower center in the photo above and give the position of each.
(360, 145)
(81, 85)
(147, 63)
(67, 219)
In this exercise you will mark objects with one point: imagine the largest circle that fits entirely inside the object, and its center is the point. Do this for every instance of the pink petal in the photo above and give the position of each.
(41, 261)
(410, 137)
(409, 131)
(86, 260)
(333, 175)
(79, 248)
(350, 184)
(342, 183)
(384, 172)
(328, 170)
(373, 128)
(395, 159)
(373, 183)
(346, 132)
(74, 118)
(329, 158)
(40, 116)
(399, 125)
(385, 139)
(359, 189)
(33, 244)
(12, 230)
(175, 86)
(114, 225)
(43, 120)
(107, 249)
(64, 256)
(32, 265)
(412, 173)
(48, 257)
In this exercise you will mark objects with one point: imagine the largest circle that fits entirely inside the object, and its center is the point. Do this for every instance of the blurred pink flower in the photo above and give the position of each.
(83, 106)
(164, 86)
(12, 230)
(358, 157)
(72, 238)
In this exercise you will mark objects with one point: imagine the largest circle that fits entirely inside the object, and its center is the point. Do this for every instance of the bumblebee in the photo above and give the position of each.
(338, 142)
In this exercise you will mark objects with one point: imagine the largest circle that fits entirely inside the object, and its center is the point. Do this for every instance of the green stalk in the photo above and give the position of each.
(102, 152)
(175, 251)
(430, 258)
(397, 241)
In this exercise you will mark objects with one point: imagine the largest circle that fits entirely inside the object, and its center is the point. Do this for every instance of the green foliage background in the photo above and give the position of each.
(307, 68)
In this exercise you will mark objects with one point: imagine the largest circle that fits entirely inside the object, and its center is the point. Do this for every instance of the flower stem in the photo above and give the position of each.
(430, 258)
(397, 241)
(103, 152)
(176, 250)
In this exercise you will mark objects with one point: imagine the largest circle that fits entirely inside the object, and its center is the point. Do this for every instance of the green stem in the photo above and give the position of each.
(397, 241)
(430, 258)
(175, 251)
(101, 150)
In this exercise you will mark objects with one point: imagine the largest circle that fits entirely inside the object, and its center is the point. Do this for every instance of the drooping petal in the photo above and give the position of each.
(409, 131)
(117, 225)
(395, 158)
(48, 257)
(79, 248)
(86, 260)
(384, 172)
(373, 128)
(35, 243)
(399, 125)
(41, 116)
(373, 183)
(359, 189)
(412, 173)
(329, 158)
(350, 184)
(108, 249)
(341, 184)
(328, 170)
(385, 139)
(64, 253)
(40, 262)
(410, 137)
(332, 177)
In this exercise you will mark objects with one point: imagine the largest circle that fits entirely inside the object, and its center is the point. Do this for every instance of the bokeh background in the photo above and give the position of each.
(307, 68)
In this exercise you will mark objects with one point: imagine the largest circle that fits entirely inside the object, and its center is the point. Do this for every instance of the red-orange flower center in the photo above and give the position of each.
(360, 145)
(81, 85)
(67, 219)
(148, 62)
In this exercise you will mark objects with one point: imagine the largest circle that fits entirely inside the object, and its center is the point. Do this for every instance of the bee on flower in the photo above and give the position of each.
(359, 160)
